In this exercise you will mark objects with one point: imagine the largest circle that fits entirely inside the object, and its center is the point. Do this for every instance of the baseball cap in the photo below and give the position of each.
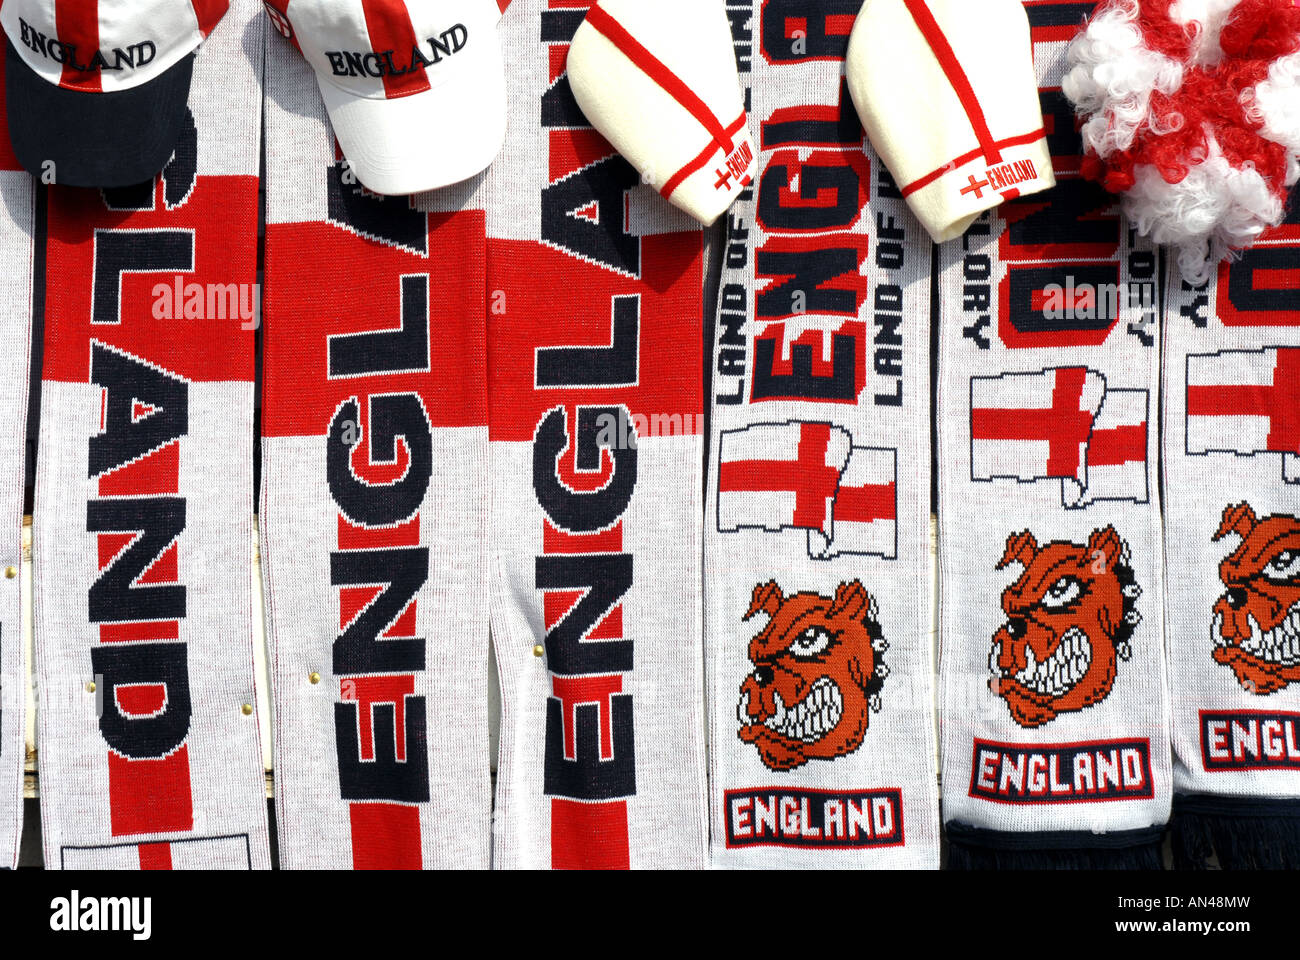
(415, 90)
(659, 81)
(100, 88)
(947, 94)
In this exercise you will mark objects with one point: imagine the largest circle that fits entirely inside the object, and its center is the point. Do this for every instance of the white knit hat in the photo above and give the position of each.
(659, 81)
(947, 93)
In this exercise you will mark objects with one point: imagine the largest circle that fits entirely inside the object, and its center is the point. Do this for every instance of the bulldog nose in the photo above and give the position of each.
(1017, 627)
(763, 675)
(1237, 597)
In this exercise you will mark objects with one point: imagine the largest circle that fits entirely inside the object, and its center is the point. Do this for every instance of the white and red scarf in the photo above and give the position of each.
(1232, 524)
(374, 505)
(594, 293)
(149, 749)
(1054, 708)
(817, 580)
(17, 228)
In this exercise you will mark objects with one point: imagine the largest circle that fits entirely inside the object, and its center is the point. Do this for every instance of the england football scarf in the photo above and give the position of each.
(17, 207)
(595, 312)
(1054, 735)
(149, 748)
(1232, 506)
(374, 505)
(817, 582)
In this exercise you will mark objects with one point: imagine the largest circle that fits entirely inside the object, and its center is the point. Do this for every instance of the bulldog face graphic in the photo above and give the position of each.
(1256, 628)
(1069, 620)
(817, 675)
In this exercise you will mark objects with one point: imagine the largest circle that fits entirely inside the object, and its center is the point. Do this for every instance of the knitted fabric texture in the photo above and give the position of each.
(1192, 111)
(149, 749)
(817, 582)
(594, 356)
(659, 81)
(374, 504)
(946, 92)
(1232, 522)
(17, 212)
(1054, 708)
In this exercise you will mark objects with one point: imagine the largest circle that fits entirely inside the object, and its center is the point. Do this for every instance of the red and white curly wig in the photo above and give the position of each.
(1192, 110)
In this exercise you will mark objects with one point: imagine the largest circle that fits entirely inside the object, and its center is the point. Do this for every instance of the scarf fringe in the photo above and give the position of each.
(1235, 833)
(971, 848)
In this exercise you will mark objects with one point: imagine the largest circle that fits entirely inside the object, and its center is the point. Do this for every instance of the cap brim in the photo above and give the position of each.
(116, 139)
(427, 140)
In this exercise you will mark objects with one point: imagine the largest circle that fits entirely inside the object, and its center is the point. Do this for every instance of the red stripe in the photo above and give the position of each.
(589, 836)
(77, 24)
(209, 13)
(681, 175)
(1110, 448)
(966, 158)
(952, 68)
(657, 71)
(873, 502)
(385, 836)
(155, 856)
(389, 26)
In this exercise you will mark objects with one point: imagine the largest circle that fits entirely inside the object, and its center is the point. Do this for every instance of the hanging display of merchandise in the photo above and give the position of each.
(149, 749)
(1053, 695)
(817, 580)
(739, 434)
(595, 312)
(17, 230)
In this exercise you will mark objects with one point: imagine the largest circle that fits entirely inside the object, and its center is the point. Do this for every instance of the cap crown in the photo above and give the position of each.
(385, 49)
(100, 46)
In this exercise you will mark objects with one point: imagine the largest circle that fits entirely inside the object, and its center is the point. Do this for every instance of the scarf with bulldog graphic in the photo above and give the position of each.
(1055, 745)
(817, 582)
(1232, 506)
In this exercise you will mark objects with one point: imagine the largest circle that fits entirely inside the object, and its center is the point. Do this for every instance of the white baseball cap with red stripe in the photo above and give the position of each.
(947, 93)
(96, 90)
(416, 91)
(659, 81)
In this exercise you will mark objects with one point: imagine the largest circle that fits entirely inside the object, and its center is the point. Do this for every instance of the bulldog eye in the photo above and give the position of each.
(1284, 567)
(812, 642)
(1062, 593)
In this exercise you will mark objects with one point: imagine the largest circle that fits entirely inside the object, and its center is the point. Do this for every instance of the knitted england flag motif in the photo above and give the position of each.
(1232, 503)
(374, 503)
(1053, 701)
(17, 210)
(594, 293)
(817, 585)
(148, 734)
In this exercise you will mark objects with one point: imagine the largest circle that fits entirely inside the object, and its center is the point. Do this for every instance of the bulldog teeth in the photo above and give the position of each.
(1067, 665)
(816, 715)
(1281, 645)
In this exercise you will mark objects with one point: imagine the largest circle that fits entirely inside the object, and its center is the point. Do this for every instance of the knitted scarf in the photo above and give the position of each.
(594, 293)
(817, 579)
(1054, 708)
(1232, 508)
(374, 504)
(17, 209)
(149, 748)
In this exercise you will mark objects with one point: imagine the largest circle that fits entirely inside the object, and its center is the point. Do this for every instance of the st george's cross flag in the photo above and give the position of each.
(865, 514)
(777, 476)
(1246, 402)
(1117, 451)
(1032, 426)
